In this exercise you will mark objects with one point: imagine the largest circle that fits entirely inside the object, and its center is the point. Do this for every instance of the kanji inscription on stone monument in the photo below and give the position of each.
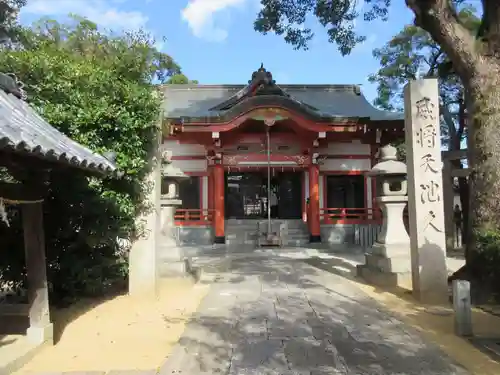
(425, 191)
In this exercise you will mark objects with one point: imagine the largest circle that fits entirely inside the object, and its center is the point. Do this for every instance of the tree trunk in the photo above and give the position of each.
(483, 92)
(464, 193)
(479, 70)
(463, 183)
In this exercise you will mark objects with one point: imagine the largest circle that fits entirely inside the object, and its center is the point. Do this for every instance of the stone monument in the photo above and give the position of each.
(388, 263)
(142, 256)
(171, 260)
(425, 191)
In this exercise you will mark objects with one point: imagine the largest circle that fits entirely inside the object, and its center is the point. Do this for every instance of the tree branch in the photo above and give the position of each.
(434, 66)
(440, 20)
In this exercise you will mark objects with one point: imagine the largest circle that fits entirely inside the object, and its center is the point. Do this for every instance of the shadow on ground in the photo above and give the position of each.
(276, 316)
(60, 317)
(435, 321)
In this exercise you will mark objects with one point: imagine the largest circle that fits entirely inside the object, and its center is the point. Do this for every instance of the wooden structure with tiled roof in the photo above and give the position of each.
(321, 138)
(29, 149)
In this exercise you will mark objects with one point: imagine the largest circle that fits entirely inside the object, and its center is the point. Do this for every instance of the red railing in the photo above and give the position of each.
(350, 215)
(193, 216)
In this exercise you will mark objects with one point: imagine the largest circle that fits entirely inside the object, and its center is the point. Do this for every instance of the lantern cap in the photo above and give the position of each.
(389, 164)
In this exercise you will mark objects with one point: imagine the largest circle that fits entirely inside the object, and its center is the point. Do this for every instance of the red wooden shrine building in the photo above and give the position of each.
(321, 139)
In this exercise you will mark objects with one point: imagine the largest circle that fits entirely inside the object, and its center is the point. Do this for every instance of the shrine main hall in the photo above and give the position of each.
(289, 153)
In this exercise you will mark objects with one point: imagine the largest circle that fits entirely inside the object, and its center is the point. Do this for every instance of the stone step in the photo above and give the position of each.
(291, 224)
(254, 228)
(245, 232)
(394, 264)
(254, 233)
(254, 242)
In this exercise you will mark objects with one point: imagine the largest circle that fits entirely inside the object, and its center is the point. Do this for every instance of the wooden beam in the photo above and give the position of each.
(29, 163)
(21, 192)
(454, 154)
(24, 161)
(40, 329)
(460, 172)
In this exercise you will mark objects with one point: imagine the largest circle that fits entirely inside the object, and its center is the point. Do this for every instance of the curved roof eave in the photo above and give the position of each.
(262, 101)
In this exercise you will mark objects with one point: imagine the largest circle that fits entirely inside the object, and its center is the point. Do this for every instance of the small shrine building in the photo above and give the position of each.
(304, 149)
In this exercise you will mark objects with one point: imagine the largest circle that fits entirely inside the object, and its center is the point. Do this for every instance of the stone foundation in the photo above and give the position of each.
(245, 232)
(385, 279)
(387, 265)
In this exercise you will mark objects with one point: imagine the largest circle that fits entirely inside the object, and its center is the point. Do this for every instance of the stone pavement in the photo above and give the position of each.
(267, 315)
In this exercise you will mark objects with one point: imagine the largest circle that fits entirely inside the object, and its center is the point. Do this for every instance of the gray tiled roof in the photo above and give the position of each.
(329, 100)
(23, 130)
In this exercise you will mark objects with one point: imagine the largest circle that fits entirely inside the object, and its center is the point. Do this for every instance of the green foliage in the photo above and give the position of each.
(97, 88)
(290, 19)
(8, 19)
(412, 53)
(486, 258)
(180, 79)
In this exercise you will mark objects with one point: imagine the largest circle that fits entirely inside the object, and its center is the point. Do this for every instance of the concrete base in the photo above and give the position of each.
(314, 238)
(17, 353)
(393, 250)
(397, 264)
(387, 265)
(219, 239)
(41, 335)
(385, 279)
(172, 269)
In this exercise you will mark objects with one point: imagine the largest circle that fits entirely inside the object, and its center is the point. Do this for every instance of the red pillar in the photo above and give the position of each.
(218, 184)
(210, 188)
(314, 222)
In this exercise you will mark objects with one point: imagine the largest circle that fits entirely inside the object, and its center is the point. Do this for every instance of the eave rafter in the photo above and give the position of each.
(266, 113)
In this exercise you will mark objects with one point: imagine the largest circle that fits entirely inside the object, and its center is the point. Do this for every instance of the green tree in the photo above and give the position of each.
(9, 10)
(97, 88)
(413, 53)
(180, 79)
(473, 56)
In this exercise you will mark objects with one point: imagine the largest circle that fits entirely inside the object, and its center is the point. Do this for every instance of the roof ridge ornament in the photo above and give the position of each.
(262, 76)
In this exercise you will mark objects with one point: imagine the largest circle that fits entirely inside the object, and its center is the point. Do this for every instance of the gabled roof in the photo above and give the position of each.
(218, 103)
(22, 130)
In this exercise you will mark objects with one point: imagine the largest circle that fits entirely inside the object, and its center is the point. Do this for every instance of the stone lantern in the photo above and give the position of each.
(388, 261)
(170, 257)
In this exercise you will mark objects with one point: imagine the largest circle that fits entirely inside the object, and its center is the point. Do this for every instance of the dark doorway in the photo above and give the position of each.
(290, 195)
(345, 191)
(246, 195)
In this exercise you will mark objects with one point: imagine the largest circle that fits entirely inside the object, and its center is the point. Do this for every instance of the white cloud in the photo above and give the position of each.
(199, 14)
(103, 12)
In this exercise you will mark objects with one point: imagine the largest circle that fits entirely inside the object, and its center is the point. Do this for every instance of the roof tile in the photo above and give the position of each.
(24, 130)
(329, 100)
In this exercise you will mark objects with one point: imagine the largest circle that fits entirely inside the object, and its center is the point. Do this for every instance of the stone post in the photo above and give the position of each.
(425, 191)
(142, 258)
(41, 329)
(170, 255)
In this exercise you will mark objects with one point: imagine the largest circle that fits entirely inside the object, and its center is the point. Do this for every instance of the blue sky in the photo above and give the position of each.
(214, 41)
